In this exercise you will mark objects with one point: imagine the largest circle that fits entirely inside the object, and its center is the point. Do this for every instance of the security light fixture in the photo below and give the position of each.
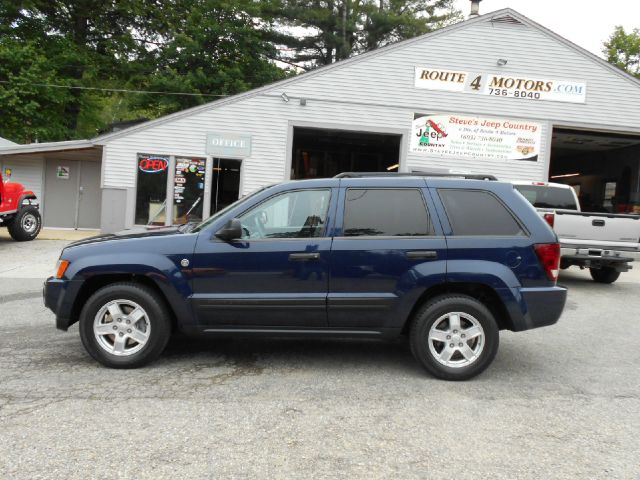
(502, 62)
(303, 101)
(285, 97)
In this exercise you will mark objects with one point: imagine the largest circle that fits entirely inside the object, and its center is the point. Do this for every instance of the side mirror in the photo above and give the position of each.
(231, 231)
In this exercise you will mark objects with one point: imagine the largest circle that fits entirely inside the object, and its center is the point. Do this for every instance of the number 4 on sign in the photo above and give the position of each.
(476, 84)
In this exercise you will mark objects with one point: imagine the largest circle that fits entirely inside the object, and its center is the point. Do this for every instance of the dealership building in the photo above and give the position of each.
(497, 94)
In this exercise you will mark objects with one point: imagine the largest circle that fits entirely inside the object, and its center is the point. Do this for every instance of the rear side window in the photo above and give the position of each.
(477, 212)
(541, 196)
(385, 212)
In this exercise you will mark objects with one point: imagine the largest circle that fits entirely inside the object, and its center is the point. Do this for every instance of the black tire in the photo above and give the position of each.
(159, 324)
(434, 310)
(26, 224)
(604, 274)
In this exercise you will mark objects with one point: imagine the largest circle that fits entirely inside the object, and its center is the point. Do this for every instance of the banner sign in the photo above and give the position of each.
(500, 85)
(228, 145)
(464, 136)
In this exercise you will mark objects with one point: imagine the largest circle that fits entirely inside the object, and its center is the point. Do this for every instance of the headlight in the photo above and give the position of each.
(61, 268)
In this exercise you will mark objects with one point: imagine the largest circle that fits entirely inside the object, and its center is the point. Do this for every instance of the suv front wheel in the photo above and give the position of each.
(454, 337)
(125, 325)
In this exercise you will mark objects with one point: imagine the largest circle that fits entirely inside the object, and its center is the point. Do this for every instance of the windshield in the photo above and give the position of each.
(542, 196)
(216, 215)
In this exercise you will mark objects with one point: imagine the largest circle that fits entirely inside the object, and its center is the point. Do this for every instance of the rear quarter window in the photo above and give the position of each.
(479, 212)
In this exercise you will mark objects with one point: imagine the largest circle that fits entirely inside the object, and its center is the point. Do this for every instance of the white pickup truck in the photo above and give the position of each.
(605, 243)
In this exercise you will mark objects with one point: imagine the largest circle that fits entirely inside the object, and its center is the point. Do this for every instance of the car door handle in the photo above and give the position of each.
(422, 254)
(304, 257)
(598, 223)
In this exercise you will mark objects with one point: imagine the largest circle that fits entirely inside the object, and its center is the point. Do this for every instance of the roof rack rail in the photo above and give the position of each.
(466, 176)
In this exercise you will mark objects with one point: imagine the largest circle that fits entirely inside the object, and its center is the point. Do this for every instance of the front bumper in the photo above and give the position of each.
(56, 294)
(536, 307)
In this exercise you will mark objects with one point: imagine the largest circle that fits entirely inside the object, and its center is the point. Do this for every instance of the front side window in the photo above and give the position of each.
(385, 212)
(478, 212)
(296, 214)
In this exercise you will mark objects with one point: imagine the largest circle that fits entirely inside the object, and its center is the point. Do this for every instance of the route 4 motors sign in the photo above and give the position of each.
(501, 85)
(464, 136)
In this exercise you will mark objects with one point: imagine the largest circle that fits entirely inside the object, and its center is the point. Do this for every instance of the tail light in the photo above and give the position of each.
(549, 218)
(549, 256)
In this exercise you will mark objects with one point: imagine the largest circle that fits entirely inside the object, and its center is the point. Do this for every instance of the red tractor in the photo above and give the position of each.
(19, 211)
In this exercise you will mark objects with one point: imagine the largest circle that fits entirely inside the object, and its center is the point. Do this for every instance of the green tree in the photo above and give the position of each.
(623, 50)
(214, 47)
(211, 47)
(321, 32)
(29, 112)
(85, 44)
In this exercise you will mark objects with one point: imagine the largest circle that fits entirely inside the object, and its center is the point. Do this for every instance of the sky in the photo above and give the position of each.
(587, 23)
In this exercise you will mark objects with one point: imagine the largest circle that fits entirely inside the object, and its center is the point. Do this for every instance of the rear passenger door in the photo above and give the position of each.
(386, 250)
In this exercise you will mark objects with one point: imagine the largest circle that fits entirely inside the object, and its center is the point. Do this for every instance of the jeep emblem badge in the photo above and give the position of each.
(184, 262)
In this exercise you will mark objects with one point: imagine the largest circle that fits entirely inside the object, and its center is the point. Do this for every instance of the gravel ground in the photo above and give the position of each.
(559, 402)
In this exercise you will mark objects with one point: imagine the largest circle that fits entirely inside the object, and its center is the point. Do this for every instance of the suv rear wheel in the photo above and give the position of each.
(125, 325)
(454, 337)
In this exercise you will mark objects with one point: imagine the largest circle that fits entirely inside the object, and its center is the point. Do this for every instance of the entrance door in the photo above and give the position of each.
(72, 194)
(61, 193)
(275, 275)
(90, 198)
(225, 183)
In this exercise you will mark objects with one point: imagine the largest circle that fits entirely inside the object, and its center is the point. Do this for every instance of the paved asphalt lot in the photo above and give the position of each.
(559, 402)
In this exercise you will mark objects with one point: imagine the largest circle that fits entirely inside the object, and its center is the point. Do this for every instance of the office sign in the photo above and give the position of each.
(478, 137)
(522, 87)
(228, 145)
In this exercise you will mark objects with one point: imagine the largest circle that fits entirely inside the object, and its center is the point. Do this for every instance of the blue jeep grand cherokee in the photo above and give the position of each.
(448, 262)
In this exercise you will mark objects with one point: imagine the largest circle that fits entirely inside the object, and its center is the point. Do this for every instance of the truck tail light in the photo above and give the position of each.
(549, 256)
(549, 218)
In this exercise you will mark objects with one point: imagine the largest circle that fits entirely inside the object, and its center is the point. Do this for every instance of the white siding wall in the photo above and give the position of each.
(378, 93)
(26, 170)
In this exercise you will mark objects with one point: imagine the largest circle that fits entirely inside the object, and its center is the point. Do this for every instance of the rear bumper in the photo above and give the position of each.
(57, 295)
(597, 259)
(536, 307)
(612, 253)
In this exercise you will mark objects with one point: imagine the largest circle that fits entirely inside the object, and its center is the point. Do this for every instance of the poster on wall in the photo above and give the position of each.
(62, 172)
(465, 136)
(188, 189)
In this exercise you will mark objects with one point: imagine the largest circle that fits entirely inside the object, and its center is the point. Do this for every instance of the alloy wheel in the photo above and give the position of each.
(456, 339)
(122, 327)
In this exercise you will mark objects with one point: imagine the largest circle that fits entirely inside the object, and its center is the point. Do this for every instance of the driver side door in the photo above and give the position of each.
(276, 275)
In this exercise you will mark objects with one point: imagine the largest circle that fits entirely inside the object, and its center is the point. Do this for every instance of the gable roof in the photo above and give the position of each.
(303, 76)
(505, 15)
(6, 143)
